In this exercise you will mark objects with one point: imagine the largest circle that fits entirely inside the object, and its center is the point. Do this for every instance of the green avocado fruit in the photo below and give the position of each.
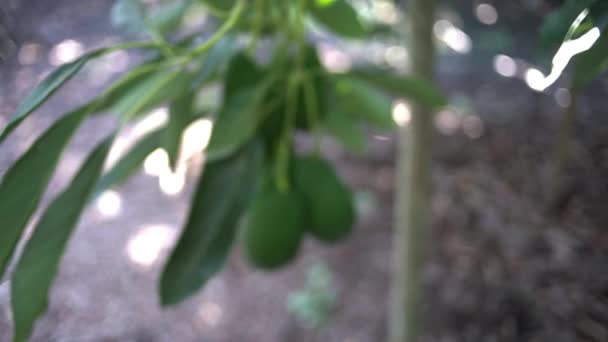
(274, 229)
(329, 202)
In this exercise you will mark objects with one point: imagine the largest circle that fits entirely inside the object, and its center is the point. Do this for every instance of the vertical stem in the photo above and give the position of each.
(413, 198)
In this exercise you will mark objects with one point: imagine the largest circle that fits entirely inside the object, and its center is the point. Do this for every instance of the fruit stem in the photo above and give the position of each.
(233, 18)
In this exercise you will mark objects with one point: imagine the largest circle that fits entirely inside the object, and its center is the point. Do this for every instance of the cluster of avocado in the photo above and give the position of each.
(317, 203)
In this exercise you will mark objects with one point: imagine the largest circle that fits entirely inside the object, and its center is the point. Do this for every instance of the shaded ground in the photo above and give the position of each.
(510, 261)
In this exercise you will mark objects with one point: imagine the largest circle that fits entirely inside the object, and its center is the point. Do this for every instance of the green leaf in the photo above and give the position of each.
(236, 123)
(346, 129)
(46, 88)
(360, 98)
(121, 89)
(416, 90)
(225, 49)
(219, 5)
(167, 17)
(589, 64)
(340, 17)
(242, 74)
(129, 15)
(240, 115)
(557, 25)
(180, 116)
(212, 225)
(38, 265)
(131, 161)
(150, 92)
(24, 183)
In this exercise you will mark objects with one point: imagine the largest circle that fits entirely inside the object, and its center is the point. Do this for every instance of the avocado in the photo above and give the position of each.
(274, 229)
(328, 201)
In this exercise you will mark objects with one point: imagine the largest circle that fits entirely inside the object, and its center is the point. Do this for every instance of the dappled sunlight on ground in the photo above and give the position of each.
(109, 204)
(65, 52)
(144, 248)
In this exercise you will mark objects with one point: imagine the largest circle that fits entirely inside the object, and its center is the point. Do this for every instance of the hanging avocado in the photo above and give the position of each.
(274, 229)
(329, 202)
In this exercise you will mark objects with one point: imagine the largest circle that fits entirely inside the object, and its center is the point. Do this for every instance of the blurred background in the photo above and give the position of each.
(515, 255)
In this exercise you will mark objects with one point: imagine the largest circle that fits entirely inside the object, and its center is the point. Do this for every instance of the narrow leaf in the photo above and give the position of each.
(130, 162)
(211, 227)
(239, 117)
(360, 98)
(121, 89)
(46, 88)
(346, 129)
(39, 262)
(416, 90)
(150, 92)
(340, 17)
(24, 183)
(217, 57)
(180, 115)
(236, 123)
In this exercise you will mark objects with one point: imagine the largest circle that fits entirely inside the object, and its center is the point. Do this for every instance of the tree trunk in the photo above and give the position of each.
(413, 198)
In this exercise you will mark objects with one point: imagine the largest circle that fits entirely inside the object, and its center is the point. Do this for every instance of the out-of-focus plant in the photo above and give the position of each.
(252, 180)
(577, 35)
(314, 304)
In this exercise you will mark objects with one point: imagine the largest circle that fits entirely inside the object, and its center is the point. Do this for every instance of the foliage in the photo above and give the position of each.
(578, 22)
(252, 144)
(314, 304)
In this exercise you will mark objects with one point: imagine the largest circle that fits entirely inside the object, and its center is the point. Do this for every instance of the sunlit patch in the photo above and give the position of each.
(334, 60)
(486, 14)
(505, 65)
(116, 151)
(472, 127)
(568, 50)
(447, 122)
(172, 183)
(195, 139)
(145, 247)
(29, 54)
(154, 120)
(210, 313)
(386, 12)
(535, 79)
(402, 113)
(396, 56)
(156, 163)
(452, 36)
(65, 52)
(109, 204)
(563, 98)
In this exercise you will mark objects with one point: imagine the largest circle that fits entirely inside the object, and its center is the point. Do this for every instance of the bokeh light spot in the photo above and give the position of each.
(109, 204)
(563, 98)
(402, 113)
(211, 313)
(447, 122)
(145, 247)
(535, 79)
(65, 52)
(505, 66)
(473, 127)
(486, 14)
